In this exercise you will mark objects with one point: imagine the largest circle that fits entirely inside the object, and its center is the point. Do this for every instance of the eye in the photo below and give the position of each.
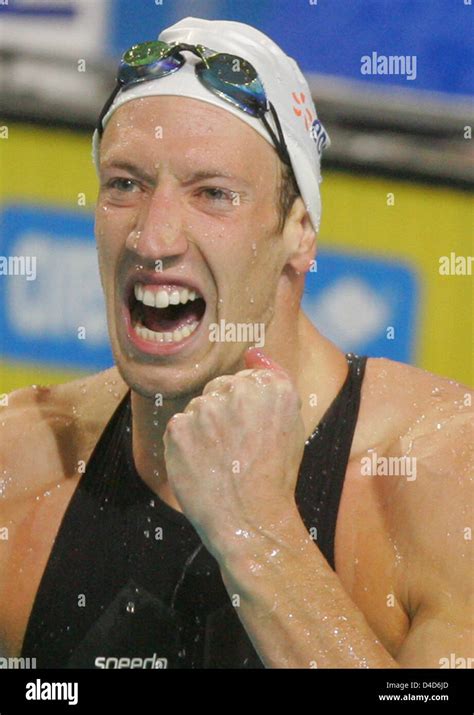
(217, 194)
(122, 184)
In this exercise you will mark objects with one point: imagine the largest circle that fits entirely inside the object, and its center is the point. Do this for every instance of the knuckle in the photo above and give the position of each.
(175, 422)
(217, 384)
(194, 405)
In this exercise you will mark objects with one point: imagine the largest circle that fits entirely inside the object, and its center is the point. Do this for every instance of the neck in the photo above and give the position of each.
(317, 367)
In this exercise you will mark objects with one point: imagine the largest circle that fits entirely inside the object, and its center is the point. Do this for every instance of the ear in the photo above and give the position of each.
(299, 238)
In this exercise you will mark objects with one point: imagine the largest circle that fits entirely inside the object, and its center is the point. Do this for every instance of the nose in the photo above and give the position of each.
(159, 231)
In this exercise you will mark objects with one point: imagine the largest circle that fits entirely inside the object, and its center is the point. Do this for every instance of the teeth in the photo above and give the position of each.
(174, 337)
(148, 298)
(163, 298)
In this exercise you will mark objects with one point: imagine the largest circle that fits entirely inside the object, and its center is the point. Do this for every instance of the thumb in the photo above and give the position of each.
(255, 358)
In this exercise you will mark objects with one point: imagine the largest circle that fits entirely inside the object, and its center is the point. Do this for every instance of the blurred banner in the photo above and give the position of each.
(58, 27)
(377, 287)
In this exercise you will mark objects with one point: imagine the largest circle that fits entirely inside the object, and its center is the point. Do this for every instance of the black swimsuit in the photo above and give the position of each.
(130, 584)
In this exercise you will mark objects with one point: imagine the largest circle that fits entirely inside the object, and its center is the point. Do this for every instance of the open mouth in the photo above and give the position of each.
(165, 313)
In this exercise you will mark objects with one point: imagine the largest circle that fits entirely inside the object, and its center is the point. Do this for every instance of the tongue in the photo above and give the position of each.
(166, 320)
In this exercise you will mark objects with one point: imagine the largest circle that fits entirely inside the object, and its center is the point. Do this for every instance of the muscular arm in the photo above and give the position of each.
(297, 613)
(437, 529)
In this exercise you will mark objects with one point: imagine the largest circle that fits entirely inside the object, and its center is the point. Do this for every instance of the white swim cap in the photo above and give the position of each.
(284, 84)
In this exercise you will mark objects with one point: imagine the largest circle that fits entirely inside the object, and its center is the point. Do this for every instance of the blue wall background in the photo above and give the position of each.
(331, 37)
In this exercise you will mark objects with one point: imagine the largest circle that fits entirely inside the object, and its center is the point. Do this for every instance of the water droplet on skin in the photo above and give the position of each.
(243, 533)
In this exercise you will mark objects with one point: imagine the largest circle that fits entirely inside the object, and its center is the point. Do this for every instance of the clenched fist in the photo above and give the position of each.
(233, 456)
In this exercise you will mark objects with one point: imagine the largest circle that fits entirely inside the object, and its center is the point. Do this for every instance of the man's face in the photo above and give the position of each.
(187, 201)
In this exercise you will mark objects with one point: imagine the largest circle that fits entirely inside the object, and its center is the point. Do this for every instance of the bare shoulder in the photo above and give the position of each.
(424, 424)
(46, 430)
(400, 402)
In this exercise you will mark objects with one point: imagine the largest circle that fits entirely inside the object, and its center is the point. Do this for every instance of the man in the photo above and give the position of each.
(285, 507)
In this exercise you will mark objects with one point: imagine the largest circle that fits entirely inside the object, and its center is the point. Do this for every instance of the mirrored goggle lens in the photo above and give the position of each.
(236, 80)
(145, 53)
(158, 65)
(232, 69)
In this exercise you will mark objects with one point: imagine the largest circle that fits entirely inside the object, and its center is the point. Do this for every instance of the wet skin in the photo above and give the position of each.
(400, 595)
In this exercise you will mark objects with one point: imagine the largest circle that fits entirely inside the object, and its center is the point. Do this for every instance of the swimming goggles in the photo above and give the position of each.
(230, 77)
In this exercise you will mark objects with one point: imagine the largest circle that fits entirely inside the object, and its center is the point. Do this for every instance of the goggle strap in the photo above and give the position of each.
(279, 142)
(107, 106)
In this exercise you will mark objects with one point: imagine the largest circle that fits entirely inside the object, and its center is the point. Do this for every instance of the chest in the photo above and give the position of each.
(367, 561)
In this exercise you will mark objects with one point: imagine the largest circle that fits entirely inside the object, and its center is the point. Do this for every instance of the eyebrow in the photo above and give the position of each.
(208, 174)
(131, 168)
(192, 178)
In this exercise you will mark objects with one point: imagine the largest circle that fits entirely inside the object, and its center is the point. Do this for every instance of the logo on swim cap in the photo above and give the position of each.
(302, 110)
(319, 136)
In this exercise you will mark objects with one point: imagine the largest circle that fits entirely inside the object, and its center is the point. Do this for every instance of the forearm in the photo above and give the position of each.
(293, 605)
